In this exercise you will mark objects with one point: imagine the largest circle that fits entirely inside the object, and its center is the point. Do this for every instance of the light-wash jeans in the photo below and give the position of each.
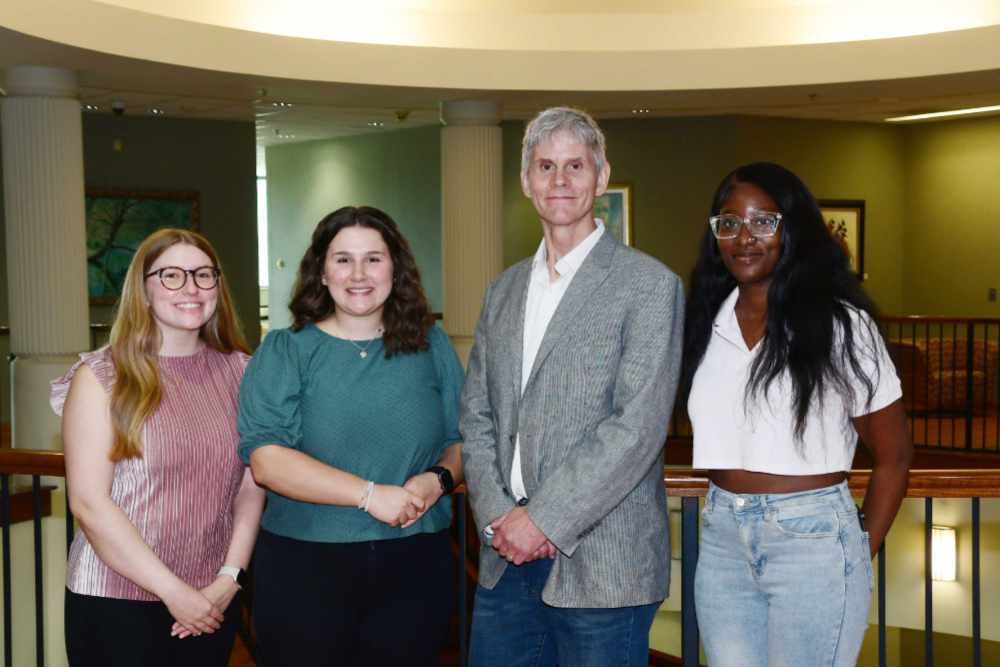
(783, 580)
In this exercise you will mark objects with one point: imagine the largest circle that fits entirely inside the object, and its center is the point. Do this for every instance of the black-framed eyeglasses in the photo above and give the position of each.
(174, 277)
(761, 224)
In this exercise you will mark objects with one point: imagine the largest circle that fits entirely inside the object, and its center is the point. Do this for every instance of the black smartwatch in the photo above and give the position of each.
(444, 477)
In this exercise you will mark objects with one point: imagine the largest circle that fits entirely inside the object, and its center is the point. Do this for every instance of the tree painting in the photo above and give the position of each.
(117, 222)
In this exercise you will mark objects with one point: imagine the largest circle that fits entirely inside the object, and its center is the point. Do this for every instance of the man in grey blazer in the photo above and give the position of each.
(570, 386)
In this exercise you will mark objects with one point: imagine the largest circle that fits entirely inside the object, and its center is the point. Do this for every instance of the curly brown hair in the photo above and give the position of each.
(406, 317)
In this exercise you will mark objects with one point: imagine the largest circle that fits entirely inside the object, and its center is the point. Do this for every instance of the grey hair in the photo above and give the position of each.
(577, 123)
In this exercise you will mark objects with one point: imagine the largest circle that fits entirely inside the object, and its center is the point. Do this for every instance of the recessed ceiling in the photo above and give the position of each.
(559, 45)
(322, 110)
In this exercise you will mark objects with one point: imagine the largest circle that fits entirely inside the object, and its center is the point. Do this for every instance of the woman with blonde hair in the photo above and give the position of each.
(168, 513)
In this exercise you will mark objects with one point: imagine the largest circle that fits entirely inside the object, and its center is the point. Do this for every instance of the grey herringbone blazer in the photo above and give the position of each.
(592, 420)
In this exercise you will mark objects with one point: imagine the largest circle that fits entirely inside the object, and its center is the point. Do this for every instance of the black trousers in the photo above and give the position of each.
(108, 632)
(361, 604)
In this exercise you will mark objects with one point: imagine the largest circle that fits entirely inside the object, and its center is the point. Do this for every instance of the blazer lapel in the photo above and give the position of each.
(512, 317)
(590, 275)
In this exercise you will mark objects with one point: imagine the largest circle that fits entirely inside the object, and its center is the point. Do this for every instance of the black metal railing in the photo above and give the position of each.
(690, 485)
(36, 464)
(950, 369)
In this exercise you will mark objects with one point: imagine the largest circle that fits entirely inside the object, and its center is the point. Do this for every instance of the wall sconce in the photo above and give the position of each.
(943, 553)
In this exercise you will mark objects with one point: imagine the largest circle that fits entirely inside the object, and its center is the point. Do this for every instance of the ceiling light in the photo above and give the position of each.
(375, 123)
(156, 111)
(91, 107)
(281, 105)
(640, 110)
(944, 114)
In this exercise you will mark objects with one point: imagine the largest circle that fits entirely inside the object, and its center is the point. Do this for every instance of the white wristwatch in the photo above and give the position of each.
(238, 574)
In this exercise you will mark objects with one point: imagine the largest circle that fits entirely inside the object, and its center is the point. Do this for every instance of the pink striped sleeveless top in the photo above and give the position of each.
(180, 494)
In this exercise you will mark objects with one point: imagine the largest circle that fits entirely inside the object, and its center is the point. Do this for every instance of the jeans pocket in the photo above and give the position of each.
(706, 513)
(807, 521)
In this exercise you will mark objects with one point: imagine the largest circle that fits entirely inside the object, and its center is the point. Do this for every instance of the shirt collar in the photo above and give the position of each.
(726, 324)
(571, 262)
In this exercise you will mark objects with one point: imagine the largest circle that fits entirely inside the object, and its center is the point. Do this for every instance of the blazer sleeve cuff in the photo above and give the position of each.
(552, 521)
(487, 506)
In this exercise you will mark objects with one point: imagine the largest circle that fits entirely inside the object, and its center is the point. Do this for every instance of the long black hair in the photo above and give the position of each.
(809, 302)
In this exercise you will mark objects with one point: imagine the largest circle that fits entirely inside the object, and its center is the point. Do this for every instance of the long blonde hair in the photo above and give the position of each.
(135, 340)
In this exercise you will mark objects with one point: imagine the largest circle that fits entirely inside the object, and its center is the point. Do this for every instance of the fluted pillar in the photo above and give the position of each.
(42, 142)
(472, 211)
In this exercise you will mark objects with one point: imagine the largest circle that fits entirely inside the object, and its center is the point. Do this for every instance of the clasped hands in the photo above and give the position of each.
(200, 611)
(402, 506)
(518, 539)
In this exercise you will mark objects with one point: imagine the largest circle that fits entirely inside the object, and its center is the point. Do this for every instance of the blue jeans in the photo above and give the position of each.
(512, 627)
(783, 579)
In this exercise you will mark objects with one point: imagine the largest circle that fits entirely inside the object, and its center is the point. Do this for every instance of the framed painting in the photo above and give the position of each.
(117, 222)
(845, 218)
(614, 207)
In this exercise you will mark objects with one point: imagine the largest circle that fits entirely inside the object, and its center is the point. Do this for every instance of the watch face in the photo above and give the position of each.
(445, 478)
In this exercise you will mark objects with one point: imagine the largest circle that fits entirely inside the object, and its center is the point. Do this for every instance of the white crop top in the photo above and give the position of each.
(758, 435)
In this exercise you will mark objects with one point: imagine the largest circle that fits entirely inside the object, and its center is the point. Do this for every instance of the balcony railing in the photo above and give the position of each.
(687, 485)
(950, 369)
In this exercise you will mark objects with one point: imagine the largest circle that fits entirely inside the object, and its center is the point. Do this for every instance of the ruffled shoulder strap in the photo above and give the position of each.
(99, 361)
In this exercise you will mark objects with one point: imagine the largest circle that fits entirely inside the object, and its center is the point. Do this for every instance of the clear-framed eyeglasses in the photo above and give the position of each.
(174, 277)
(761, 224)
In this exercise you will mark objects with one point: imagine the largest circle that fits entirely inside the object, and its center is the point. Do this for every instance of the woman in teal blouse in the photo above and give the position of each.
(349, 418)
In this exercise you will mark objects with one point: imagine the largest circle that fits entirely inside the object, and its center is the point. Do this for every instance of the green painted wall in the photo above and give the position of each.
(215, 158)
(398, 172)
(675, 164)
(951, 243)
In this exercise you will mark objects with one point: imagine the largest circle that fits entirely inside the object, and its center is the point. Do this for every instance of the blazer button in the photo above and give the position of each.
(522, 502)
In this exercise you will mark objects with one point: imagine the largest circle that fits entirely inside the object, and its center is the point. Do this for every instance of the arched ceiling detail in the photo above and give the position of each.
(582, 25)
(632, 45)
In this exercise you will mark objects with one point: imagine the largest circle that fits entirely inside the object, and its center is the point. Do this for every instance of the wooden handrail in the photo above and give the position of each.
(935, 319)
(952, 483)
(32, 462)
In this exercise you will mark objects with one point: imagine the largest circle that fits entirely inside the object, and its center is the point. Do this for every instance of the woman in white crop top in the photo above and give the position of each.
(785, 369)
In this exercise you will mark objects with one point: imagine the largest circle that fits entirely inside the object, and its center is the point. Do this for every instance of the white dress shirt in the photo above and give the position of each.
(544, 296)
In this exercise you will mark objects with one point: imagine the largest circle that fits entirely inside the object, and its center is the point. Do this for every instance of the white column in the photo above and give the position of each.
(472, 211)
(42, 140)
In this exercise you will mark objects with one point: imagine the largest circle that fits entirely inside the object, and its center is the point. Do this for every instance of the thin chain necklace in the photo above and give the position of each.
(363, 351)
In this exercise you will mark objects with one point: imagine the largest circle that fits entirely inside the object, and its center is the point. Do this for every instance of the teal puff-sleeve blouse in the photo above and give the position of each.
(380, 419)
